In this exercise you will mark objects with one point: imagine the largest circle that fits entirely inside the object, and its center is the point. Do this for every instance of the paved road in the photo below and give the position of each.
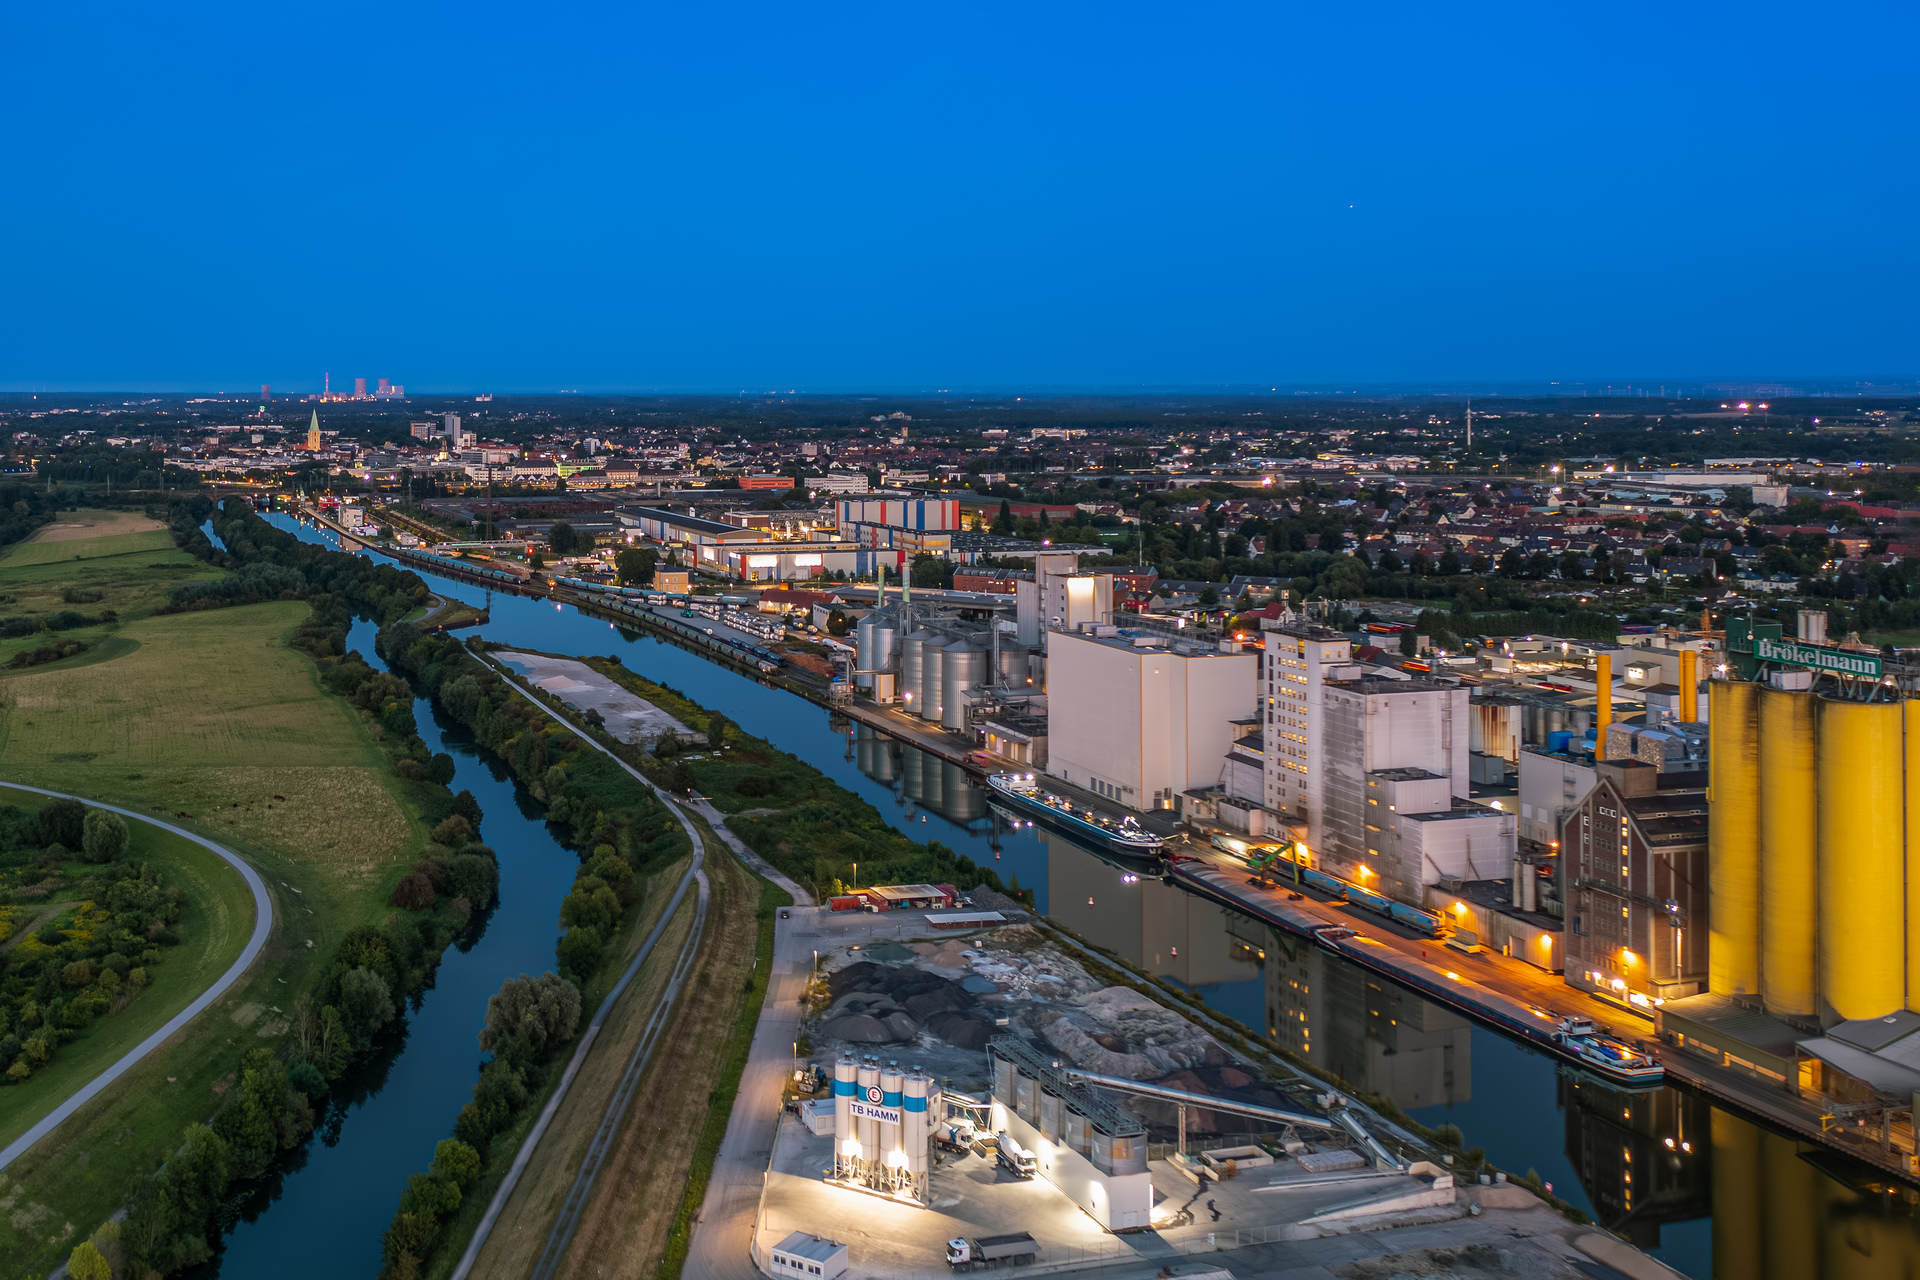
(262, 926)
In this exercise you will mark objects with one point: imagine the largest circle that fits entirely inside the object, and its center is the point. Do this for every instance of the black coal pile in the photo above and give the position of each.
(885, 1004)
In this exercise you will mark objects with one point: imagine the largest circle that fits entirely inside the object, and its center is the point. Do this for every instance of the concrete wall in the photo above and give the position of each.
(1121, 1203)
(1550, 788)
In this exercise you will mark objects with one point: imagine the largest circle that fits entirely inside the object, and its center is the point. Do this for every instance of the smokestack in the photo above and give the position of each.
(1603, 705)
(1689, 686)
(266, 393)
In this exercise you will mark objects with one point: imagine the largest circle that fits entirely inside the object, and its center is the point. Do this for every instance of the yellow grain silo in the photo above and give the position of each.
(1788, 879)
(1790, 1223)
(1862, 858)
(1911, 710)
(1733, 838)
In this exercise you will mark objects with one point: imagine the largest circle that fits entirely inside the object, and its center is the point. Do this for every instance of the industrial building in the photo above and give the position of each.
(1634, 862)
(1140, 720)
(880, 1132)
(1087, 1147)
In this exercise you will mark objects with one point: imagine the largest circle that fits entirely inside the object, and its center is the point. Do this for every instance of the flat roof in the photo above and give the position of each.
(681, 520)
(893, 891)
(804, 1244)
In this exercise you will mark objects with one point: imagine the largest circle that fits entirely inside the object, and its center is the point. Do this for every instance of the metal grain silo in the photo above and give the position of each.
(1733, 837)
(1789, 915)
(961, 673)
(933, 665)
(863, 652)
(1862, 857)
(910, 657)
(1013, 666)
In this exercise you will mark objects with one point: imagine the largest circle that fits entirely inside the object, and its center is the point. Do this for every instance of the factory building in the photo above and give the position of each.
(1634, 867)
(1087, 1147)
(1141, 721)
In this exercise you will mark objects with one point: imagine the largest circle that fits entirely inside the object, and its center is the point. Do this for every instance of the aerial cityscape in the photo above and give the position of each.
(1247, 645)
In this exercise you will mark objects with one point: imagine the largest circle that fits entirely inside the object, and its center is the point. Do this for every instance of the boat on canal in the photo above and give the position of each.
(1020, 793)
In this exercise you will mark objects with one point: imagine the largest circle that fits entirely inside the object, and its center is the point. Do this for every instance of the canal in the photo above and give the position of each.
(1702, 1189)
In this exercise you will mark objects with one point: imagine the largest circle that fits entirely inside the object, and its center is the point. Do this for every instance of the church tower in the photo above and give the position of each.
(313, 433)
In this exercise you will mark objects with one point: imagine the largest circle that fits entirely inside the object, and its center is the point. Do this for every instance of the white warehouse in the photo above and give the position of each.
(1140, 722)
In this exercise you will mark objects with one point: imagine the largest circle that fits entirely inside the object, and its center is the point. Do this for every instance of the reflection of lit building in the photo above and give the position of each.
(1642, 1158)
(1635, 853)
(929, 782)
(1370, 1033)
(1144, 921)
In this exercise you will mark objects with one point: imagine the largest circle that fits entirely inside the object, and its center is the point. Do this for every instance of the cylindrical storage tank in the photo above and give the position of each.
(884, 768)
(1733, 838)
(1862, 856)
(913, 1125)
(960, 674)
(863, 652)
(1911, 710)
(845, 1073)
(883, 645)
(892, 1094)
(1013, 665)
(909, 687)
(867, 1081)
(933, 669)
(1789, 880)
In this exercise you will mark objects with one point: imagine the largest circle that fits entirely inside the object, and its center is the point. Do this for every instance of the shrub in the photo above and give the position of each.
(103, 836)
(413, 893)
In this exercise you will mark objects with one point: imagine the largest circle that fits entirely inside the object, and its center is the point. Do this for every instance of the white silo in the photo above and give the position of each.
(914, 1119)
(867, 1084)
(845, 1140)
(911, 650)
(892, 1156)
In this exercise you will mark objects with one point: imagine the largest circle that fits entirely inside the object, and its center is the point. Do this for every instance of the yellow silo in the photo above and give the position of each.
(1789, 1211)
(1733, 838)
(1788, 878)
(1911, 710)
(1862, 858)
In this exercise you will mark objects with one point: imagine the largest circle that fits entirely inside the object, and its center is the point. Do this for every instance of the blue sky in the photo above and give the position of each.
(727, 197)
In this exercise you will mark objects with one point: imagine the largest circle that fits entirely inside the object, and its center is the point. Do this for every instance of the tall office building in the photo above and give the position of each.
(359, 388)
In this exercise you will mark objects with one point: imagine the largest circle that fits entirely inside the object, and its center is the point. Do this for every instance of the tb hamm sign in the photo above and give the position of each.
(867, 1105)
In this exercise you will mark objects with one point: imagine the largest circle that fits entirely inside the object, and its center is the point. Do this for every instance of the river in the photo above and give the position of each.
(1642, 1164)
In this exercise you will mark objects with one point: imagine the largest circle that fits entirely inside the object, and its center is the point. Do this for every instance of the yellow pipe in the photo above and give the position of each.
(1862, 859)
(1788, 835)
(1733, 839)
(1602, 705)
(1689, 686)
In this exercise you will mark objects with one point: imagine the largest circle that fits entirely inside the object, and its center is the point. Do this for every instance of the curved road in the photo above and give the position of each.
(262, 926)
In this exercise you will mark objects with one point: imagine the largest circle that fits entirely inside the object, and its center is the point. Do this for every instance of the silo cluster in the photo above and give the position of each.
(880, 1125)
(874, 640)
(1814, 851)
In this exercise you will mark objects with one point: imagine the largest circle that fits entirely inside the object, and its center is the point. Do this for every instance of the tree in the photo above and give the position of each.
(1409, 643)
(63, 823)
(366, 1005)
(836, 623)
(104, 836)
(1003, 523)
(85, 1263)
(1449, 562)
(562, 539)
(635, 565)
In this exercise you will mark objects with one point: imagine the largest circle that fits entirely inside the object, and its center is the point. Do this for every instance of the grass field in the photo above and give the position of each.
(211, 719)
(215, 920)
(66, 551)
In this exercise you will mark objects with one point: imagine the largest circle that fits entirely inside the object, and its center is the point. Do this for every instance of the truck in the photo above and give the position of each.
(1014, 1158)
(991, 1251)
(954, 1135)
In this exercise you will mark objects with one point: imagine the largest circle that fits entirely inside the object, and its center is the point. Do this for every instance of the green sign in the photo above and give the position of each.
(1841, 661)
